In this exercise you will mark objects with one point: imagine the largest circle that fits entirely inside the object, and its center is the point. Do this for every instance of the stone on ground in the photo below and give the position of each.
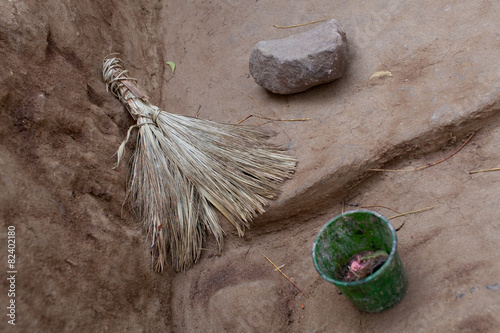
(302, 61)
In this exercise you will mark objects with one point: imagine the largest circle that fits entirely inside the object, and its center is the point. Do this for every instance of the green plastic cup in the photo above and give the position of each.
(353, 232)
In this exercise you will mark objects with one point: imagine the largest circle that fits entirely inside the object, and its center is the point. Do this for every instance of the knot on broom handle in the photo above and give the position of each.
(118, 82)
(155, 115)
(113, 74)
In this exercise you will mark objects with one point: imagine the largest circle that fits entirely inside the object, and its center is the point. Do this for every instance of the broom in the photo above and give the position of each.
(184, 168)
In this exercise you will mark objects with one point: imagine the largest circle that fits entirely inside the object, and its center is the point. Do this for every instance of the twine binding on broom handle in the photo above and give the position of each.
(120, 86)
(121, 149)
(115, 82)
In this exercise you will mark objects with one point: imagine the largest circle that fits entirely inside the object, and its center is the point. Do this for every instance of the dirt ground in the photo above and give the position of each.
(82, 261)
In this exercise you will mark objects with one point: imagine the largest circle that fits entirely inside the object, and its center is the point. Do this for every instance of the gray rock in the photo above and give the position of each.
(302, 61)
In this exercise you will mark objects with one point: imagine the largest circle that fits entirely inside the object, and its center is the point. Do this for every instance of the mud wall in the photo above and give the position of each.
(80, 256)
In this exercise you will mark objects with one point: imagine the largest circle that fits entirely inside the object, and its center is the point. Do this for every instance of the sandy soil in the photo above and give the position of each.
(82, 260)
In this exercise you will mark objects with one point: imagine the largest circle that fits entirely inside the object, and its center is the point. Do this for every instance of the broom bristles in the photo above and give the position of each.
(184, 168)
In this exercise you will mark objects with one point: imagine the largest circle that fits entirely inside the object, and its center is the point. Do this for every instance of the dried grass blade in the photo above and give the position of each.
(484, 170)
(299, 25)
(279, 270)
(412, 212)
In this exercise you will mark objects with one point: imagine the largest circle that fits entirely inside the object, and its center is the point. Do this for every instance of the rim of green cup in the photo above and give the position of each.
(371, 276)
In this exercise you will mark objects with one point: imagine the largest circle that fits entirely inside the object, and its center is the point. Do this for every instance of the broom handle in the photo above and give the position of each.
(124, 87)
(119, 83)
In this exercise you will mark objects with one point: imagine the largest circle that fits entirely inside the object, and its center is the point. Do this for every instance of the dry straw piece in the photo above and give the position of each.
(184, 168)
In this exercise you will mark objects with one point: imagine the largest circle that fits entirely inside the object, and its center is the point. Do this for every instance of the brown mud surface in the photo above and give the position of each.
(83, 262)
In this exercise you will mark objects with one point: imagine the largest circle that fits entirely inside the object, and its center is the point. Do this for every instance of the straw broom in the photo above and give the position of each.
(185, 168)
